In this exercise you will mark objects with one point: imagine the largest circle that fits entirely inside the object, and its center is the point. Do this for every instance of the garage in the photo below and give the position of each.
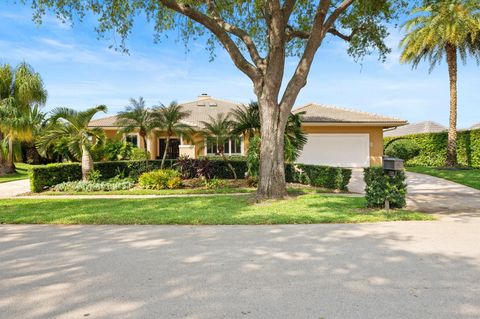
(344, 150)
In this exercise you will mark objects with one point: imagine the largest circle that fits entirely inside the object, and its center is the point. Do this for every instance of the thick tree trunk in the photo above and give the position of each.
(10, 167)
(451, 160)
(271, 183)
(3, 168)
(167, 141)
(87, 163)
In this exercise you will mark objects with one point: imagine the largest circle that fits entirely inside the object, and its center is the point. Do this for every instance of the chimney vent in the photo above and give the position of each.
(204, 96)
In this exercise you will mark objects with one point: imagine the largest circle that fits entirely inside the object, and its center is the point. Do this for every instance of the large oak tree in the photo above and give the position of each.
(258, 35)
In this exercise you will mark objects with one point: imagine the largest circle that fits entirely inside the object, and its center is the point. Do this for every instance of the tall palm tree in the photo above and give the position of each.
(448, 28)
(73, 126)
(247, 121)
(170, 120)
(220, 129)
(21, 89)
(137, 117)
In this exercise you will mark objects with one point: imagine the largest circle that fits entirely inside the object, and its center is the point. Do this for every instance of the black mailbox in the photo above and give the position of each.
(392, 164)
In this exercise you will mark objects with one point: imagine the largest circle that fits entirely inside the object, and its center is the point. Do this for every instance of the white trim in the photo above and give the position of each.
(133, 134)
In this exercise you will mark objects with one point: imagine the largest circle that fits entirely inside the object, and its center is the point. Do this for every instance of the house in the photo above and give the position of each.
(336, 136)
(416, 128)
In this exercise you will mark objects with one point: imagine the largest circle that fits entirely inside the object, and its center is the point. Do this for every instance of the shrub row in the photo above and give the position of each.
(89, 186)
(46, 176)
(433, 148)
(320, 176)
(381, 186)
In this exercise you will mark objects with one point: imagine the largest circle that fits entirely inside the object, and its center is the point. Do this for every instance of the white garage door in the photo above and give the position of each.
(344, 150)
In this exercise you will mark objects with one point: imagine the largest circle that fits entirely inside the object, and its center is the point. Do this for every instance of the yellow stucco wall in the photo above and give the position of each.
(375, 134)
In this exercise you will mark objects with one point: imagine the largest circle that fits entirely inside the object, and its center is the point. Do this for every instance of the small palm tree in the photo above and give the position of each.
(73, 126)
(21, 89)
(137, 117)
(247, 121)
(451, 28)
(170, 119)
(220, 129)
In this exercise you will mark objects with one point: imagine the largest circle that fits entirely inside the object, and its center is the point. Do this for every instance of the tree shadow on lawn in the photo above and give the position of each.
(388, 270)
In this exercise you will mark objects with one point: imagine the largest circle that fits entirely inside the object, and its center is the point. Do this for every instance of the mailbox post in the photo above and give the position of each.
(391, 166)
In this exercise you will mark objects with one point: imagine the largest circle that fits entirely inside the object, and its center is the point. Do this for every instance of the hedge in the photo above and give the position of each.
(320, 176)
(381, 186)
(43, 177)
(433, 148)
(46, 176)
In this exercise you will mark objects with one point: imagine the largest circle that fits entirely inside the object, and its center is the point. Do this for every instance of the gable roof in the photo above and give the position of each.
(326, 114)
(416, 128)
(200, 111)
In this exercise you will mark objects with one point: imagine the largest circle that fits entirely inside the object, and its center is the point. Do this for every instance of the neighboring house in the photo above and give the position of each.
(416, 128)
(475, 127)
(336, 136)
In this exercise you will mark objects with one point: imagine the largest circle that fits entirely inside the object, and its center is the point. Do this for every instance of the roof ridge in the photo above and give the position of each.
(355, 110)
(212, 98)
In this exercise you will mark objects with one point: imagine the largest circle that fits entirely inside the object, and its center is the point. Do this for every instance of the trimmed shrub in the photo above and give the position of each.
(160, 179)
(433, 148)
(381, 186)
(404, 149)
(320, 176)
(42, 177)
(91, 186)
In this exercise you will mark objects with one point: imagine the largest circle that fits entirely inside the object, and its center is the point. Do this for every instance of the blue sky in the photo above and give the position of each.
(80, 71)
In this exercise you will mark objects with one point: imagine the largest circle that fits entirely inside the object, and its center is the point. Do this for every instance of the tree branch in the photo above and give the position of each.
(287, 9)
(336, 13)
(212, 25)
(238, 32)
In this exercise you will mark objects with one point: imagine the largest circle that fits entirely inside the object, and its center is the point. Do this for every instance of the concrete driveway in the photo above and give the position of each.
(384, 270)
(432, 194)
(15, 188)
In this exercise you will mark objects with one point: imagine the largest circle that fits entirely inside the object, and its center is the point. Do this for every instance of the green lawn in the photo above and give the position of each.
(468, 177)
(21, 173)
(305, 209)
(187, 191)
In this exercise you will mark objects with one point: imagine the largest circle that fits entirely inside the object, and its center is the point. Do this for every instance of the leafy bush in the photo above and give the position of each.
(91, 186)
(381, 186)
(160, 179)
(404, 149)
(433, 148)
(94, 175)
(320, 176)
(215, 183)
(138, 154)
(113, 150)
(253, 157)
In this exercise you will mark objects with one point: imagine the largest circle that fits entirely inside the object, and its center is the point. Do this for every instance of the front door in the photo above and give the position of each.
(173, 151)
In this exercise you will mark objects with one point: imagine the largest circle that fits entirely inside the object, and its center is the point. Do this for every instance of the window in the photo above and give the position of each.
(132, 138)
(232, 146)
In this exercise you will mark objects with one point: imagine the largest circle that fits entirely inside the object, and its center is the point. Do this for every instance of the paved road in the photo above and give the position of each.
(385, 270)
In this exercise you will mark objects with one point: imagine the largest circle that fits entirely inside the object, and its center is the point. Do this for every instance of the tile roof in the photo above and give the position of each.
(319, 113)
(200, 110)
(416, 128)
(206, 106)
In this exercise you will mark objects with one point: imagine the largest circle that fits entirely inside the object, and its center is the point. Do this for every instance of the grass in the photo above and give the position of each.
(187, 191)
(221, 210)
(468, 177)
(21, 173)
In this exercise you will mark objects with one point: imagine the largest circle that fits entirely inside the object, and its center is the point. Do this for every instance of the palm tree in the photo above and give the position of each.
(137, 117)
(170, 119)
(448, 28)
(220, 129)
(20, 90)
(247, 121)
(73, 126)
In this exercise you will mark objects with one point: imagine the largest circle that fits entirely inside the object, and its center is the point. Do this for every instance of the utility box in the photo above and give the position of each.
(392, 164)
